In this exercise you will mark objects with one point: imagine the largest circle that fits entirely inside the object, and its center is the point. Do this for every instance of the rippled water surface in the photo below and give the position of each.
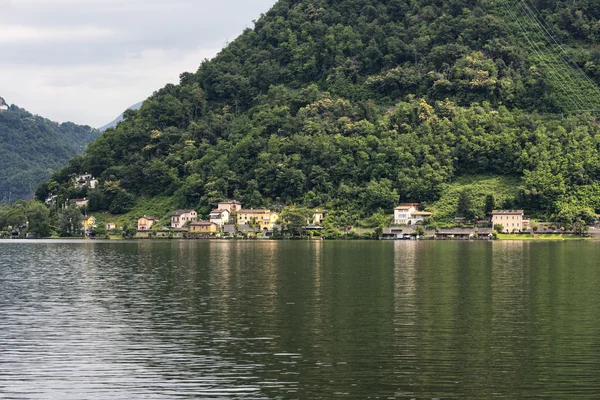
(283, 320)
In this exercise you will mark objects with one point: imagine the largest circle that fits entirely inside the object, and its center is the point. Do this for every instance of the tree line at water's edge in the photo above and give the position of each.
(356, 106)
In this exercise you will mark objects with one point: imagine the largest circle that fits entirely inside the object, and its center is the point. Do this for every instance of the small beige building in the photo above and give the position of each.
(265, 219)
(145, 223)
(181, 217)
(511, 220)
(204, 227)
(319, 216)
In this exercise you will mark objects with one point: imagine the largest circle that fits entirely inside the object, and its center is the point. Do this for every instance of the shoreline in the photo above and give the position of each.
(105, 240)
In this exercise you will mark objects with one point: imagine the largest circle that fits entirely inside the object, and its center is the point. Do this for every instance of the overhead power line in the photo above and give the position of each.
(577, 91)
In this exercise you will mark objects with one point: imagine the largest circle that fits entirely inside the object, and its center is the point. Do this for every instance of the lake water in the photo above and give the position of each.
(299, 320)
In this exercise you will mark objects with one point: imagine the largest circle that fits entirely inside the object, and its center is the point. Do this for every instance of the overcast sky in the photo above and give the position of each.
(86, 61)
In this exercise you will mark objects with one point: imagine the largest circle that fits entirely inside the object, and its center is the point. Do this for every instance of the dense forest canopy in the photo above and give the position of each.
(356, 105)
(32, 147)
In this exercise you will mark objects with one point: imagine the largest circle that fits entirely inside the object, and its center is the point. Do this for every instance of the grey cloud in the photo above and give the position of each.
(180, 28)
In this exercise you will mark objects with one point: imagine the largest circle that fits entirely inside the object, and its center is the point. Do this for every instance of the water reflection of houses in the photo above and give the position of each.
(406, 302)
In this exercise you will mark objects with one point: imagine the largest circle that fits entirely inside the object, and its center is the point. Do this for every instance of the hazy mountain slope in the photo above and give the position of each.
(120, 118)
(32, 147)
(356, 105)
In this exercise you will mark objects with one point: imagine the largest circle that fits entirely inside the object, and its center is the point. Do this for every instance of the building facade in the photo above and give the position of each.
(145, 223)
(408, 214)
(229, 205)
(88, 223)
(81, 203)
(265, 219)
(86, 181)
(511, 220)
(220, 217)
(319, 216)
(204, 227)
(181, 217)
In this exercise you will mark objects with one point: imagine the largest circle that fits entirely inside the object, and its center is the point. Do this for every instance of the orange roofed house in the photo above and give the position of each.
(265, 219)
(511, 220)
(145, 223)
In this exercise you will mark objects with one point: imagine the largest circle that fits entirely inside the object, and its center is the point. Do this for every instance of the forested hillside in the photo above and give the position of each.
(355, 105)
(32, 147)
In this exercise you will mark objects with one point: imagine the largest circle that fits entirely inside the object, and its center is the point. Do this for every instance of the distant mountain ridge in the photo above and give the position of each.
(120, 118)
(32, 147)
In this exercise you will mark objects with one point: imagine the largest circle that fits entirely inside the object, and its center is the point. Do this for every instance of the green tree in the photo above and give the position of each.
(466, 205)
(38, 218)
(295, 220)
(490, 204)
(70, 222)
(500, 228)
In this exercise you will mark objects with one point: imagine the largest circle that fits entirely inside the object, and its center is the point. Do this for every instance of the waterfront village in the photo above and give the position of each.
(231, 220)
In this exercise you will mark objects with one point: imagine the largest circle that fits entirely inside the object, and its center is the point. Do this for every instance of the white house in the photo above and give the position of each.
(180, 217)
(51, 199)
(220, 217)
(86, 181)
(3, 105)
(408, 214)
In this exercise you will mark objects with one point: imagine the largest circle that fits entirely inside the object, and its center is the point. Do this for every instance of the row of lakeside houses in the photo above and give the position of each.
(187, 220)
(221, 219)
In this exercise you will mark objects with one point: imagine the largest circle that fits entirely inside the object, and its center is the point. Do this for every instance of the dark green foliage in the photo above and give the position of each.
(38, 219)
(356, 105)
(32, 147)
(27, 217)
(70, 222)
(295, 220)
(466, 207)
(490, 204)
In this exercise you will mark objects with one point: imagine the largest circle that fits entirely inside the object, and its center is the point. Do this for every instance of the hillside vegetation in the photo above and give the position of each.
(32, 148)
(355, 105)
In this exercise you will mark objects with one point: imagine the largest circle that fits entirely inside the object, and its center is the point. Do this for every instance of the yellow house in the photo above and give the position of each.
(89, 223)
(511, 220)
(265, 219)
(204, 227)
(145, 223)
